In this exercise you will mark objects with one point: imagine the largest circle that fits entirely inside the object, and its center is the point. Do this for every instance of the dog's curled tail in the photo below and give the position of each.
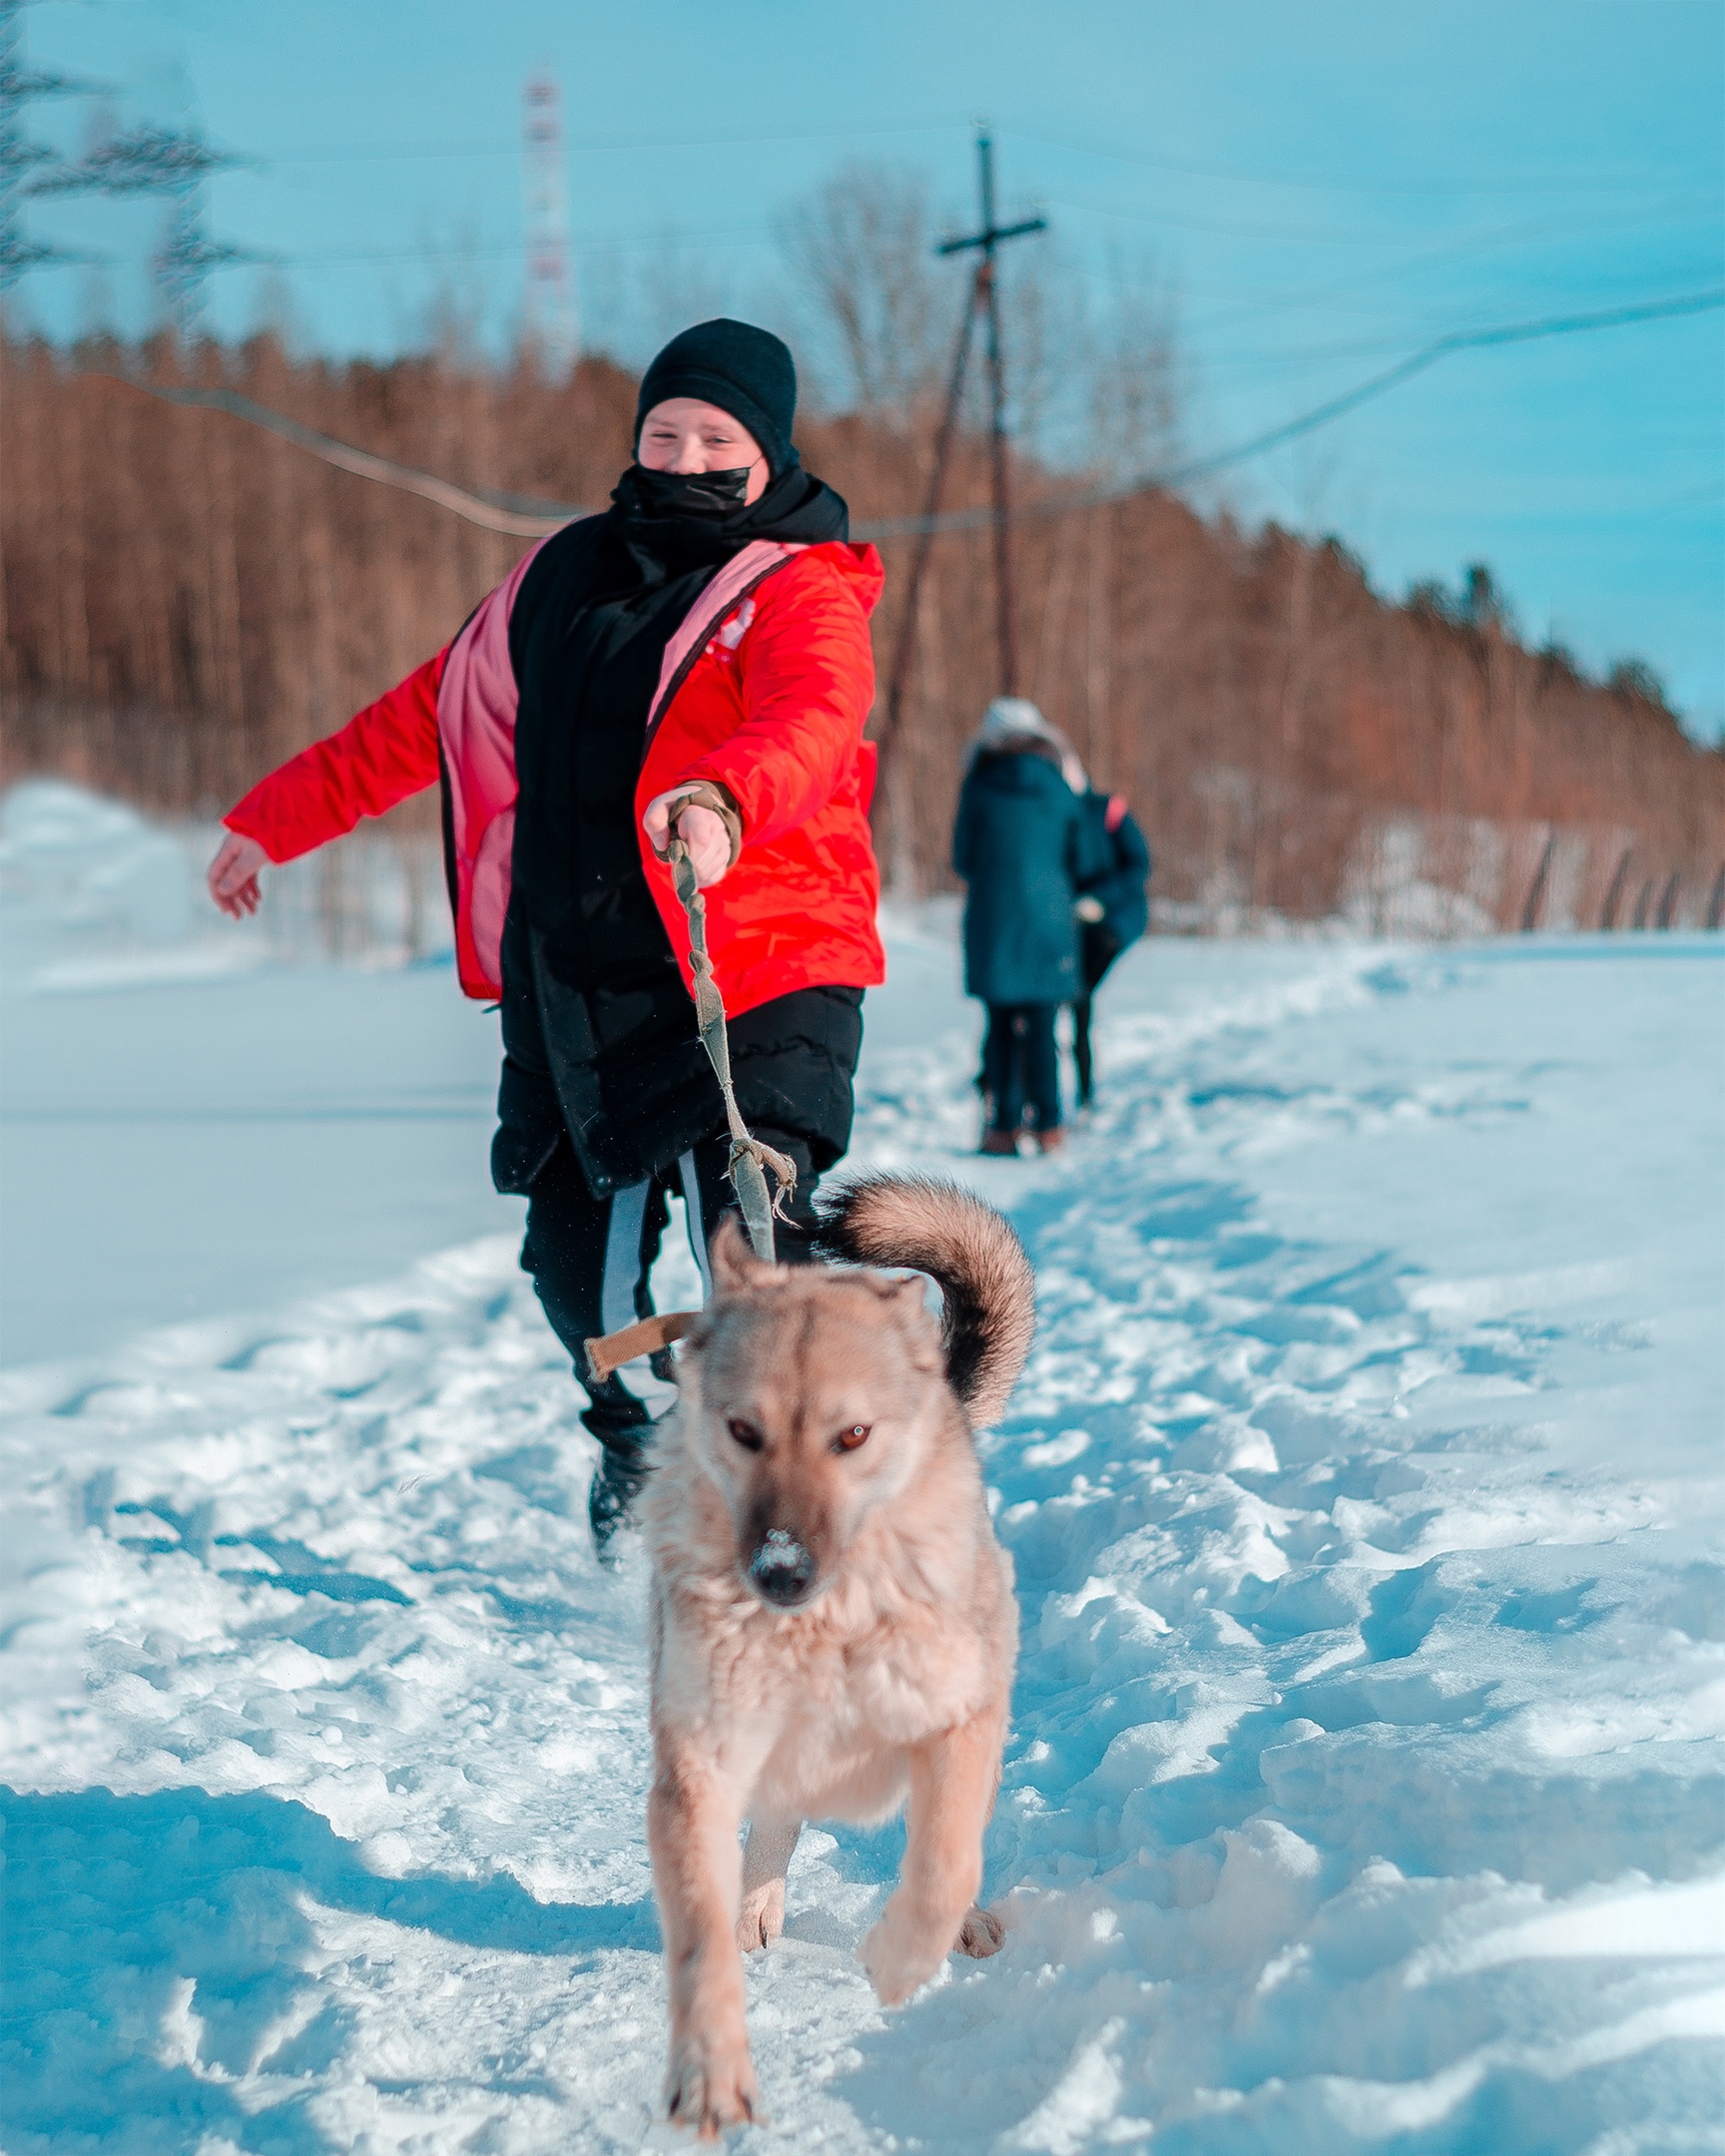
(966, 1246)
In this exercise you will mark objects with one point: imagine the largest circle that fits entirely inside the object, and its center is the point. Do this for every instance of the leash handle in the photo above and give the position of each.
(750, 1162)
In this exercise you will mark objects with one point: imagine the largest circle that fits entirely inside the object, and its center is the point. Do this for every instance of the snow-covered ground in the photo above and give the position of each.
(188, 1127)
(1365, 1488)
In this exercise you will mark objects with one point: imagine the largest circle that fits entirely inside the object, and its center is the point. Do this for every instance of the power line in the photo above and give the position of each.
(1508, 183)
(1363, 184)
(1286, 362)
(582, 142)
(521, 516)
(530, 517)
(1231, 229)
(1322, 415)
(1468, 249)
(1428, 355)
(458, 251)
(1672, 209)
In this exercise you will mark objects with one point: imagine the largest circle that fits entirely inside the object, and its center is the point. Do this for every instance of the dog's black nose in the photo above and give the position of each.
(782, 1570)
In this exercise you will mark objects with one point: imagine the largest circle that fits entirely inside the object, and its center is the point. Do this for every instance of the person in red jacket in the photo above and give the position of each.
(697, 656)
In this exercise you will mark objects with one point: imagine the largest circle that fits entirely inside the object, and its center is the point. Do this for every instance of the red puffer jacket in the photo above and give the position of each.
(764, 689)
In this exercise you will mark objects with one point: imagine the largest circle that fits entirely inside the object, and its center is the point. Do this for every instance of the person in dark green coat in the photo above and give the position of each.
(1113, 912)
(1024, 848)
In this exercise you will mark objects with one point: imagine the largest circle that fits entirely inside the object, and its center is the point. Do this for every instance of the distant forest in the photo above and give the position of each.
(186, 600)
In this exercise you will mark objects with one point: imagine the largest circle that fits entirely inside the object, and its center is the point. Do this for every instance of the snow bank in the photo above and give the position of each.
(93, 894)
(75, 867)
(1365, 1788)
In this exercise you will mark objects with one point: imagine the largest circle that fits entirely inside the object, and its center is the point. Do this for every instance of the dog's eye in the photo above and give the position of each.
(745, 1434)
(848, 1439)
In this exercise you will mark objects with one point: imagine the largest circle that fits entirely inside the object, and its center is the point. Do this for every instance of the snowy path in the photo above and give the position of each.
(1365, 1490)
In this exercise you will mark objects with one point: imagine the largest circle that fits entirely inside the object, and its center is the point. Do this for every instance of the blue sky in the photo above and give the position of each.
(1322, 188)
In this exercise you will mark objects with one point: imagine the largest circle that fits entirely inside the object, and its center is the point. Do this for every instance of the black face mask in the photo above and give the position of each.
(712, 493)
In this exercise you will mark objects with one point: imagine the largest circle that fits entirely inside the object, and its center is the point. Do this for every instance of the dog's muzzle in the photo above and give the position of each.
(782, 1570)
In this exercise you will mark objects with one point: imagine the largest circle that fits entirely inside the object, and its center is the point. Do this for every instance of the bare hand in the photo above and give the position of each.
(233, 877)
(700, 829)
(1089, 909)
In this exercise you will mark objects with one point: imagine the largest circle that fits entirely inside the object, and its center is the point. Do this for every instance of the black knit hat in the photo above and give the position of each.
(743, 371)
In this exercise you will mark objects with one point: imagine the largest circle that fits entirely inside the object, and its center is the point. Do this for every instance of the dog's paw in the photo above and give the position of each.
(899, 1962)
(763, 1917)
(711, 2084)
(981, 1935)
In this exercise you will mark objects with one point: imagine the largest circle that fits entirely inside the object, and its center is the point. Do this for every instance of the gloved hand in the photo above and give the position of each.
(1089, 909)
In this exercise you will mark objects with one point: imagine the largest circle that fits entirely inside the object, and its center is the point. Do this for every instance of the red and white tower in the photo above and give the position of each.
(549, 314)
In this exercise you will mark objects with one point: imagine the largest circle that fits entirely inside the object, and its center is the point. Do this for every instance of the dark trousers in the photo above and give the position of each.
(1098, 948)
(590, 1257)
(1020, 1067)
(1081, 1051)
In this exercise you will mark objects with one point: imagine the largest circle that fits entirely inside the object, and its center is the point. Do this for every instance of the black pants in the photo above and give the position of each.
(590, 1257)
(1081, 1050)
(1099, 947)
(1020, 1068)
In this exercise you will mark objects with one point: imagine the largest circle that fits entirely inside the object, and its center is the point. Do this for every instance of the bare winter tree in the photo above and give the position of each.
(1134, 367)
(1089, 370)
(1049, 350)
(881, 307)
(676, 284)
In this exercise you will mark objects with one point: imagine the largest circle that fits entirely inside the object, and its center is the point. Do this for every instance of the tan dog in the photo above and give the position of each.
(834, 1623)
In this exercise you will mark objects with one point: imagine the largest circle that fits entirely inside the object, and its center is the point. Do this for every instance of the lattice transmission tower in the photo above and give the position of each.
(24, 163)
(175, 162)
(549, 323)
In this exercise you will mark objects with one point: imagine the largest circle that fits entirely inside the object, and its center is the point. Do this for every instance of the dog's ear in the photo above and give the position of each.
(735, 1266)
(905, 1292)
(921, 1328)
(906, 1295)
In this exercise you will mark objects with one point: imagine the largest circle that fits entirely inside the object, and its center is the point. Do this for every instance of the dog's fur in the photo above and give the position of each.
(834, 1623)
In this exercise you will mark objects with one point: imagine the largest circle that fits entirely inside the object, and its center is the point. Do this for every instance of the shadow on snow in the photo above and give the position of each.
(133, 1919)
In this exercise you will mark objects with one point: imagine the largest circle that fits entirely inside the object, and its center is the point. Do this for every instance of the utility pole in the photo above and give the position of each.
(983, 299)
(986, 301)
(550, 324)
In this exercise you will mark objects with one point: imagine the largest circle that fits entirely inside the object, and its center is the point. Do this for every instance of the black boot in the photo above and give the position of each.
(624, 1429)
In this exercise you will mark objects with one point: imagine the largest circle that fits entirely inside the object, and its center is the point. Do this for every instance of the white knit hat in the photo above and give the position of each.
(1013, 717)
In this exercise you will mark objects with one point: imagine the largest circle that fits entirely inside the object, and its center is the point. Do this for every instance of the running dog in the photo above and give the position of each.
(834, 1623)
